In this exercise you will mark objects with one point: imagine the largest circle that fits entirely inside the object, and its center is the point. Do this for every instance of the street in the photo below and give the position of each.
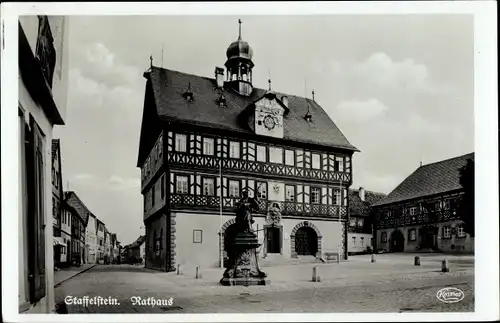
(354, 286)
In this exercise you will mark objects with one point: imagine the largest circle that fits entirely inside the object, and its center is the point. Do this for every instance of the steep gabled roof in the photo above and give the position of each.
(76, 203)
(168, 87)
(362, 208)
(430, 179)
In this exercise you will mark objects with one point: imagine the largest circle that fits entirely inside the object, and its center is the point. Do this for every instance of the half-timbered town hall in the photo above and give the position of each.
(205, 140)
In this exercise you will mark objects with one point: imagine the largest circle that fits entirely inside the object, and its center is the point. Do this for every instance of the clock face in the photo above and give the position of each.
(269, 122)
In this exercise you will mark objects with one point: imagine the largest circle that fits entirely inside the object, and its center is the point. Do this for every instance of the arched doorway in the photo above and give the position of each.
(397, 241)
(306, 242)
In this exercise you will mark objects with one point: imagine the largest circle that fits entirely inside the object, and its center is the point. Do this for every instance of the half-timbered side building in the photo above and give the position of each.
(421, 214)
(361, 220)
(60, 235)
(205, 140)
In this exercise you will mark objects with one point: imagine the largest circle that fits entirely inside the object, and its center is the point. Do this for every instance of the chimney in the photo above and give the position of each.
(284, 99)
(362, 194)
(219, 77)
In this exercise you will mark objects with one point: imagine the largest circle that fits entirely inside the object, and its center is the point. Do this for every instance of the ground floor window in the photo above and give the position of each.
(383, 237)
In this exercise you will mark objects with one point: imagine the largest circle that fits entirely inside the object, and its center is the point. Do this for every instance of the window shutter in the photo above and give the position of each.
(36, 223)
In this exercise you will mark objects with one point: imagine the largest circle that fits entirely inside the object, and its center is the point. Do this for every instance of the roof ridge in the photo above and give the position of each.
(446, 160)
(255, 88)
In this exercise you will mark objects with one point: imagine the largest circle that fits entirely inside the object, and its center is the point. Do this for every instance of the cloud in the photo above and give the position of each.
(83, 177)
(117, 183)
(361, 111)
(381, 71)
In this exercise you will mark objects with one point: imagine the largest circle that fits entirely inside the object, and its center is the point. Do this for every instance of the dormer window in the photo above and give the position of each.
(308, 116)
(221, 101)
(188, 95)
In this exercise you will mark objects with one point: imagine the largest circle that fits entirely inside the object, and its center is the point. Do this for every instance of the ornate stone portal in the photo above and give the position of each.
(243, 266)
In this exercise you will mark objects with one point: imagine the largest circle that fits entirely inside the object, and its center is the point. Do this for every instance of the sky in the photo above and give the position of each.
(400, 88)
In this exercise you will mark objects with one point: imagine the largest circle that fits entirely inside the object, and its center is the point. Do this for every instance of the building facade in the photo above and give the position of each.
(100, 249)
(90, 225)
(43, 80)
(361, 220)
(421, 213)
(60, 237)
(205, 140)
(77, 247)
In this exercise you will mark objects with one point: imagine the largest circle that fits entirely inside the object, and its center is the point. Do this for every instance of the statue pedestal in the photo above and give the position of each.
(243, 268)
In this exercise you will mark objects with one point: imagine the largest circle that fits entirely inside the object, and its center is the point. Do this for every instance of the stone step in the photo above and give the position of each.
(278, 259)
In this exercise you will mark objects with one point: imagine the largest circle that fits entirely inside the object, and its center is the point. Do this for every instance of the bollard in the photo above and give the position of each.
(373, 257)
(417, 261)
(444, 266)
(315, 277)
(198, 272)
(178, 269)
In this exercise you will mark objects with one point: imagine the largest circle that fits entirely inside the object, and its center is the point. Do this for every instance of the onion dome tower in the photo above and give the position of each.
(239, 65)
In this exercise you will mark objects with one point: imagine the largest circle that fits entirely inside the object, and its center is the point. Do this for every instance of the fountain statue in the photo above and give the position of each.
(243, 266)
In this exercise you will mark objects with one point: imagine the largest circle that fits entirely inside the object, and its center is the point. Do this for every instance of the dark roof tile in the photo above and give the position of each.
(362, 208)
(169, 86)
(430, 179)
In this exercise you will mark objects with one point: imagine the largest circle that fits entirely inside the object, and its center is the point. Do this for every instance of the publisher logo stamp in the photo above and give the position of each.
(450, 295)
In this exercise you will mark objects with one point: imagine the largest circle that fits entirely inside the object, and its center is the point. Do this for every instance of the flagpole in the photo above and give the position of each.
(221, 219)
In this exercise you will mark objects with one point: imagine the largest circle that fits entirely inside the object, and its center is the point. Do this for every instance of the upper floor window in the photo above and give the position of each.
(45, 50)
(180, 143)
(208, 186)
(437, 206)
(315, 195)
(339, 164)
(446, 232)
(413, 210)
(276, 155)
(261, 154)
(337, 197)
(208, 146)
(290, 193)
(234, 149)
(460, 231)
(446, 204)
(262, 190)
(234, 188)
(181, 185)
(289, 157)
(316, 161)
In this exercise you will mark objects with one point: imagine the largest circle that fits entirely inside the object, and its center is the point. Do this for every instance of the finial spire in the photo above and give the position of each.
(151, 60)
(239, 32)
(313, 94)
(269, 81)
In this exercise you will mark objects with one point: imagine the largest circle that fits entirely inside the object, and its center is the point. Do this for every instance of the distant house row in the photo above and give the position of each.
(79, 237)
(135, 253)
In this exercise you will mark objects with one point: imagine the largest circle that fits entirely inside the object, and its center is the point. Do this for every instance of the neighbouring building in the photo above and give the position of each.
(77, 247)
(135, 252)
(100, 241)
(60, 235)
(90, 224)
(205, 140)
(107, 246)
(115, 249)
(42, 88)
(361, 220)
(421, 213)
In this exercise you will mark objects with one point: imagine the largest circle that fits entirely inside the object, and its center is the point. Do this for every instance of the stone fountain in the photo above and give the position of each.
(243, 265)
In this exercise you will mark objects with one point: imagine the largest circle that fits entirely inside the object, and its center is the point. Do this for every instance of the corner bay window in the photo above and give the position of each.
(180, 143)
(234, 149)
(181, 185)
(234, 188)
(208, 186)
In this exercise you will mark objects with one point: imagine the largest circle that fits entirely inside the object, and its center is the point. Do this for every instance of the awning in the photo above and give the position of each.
(58, 241)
